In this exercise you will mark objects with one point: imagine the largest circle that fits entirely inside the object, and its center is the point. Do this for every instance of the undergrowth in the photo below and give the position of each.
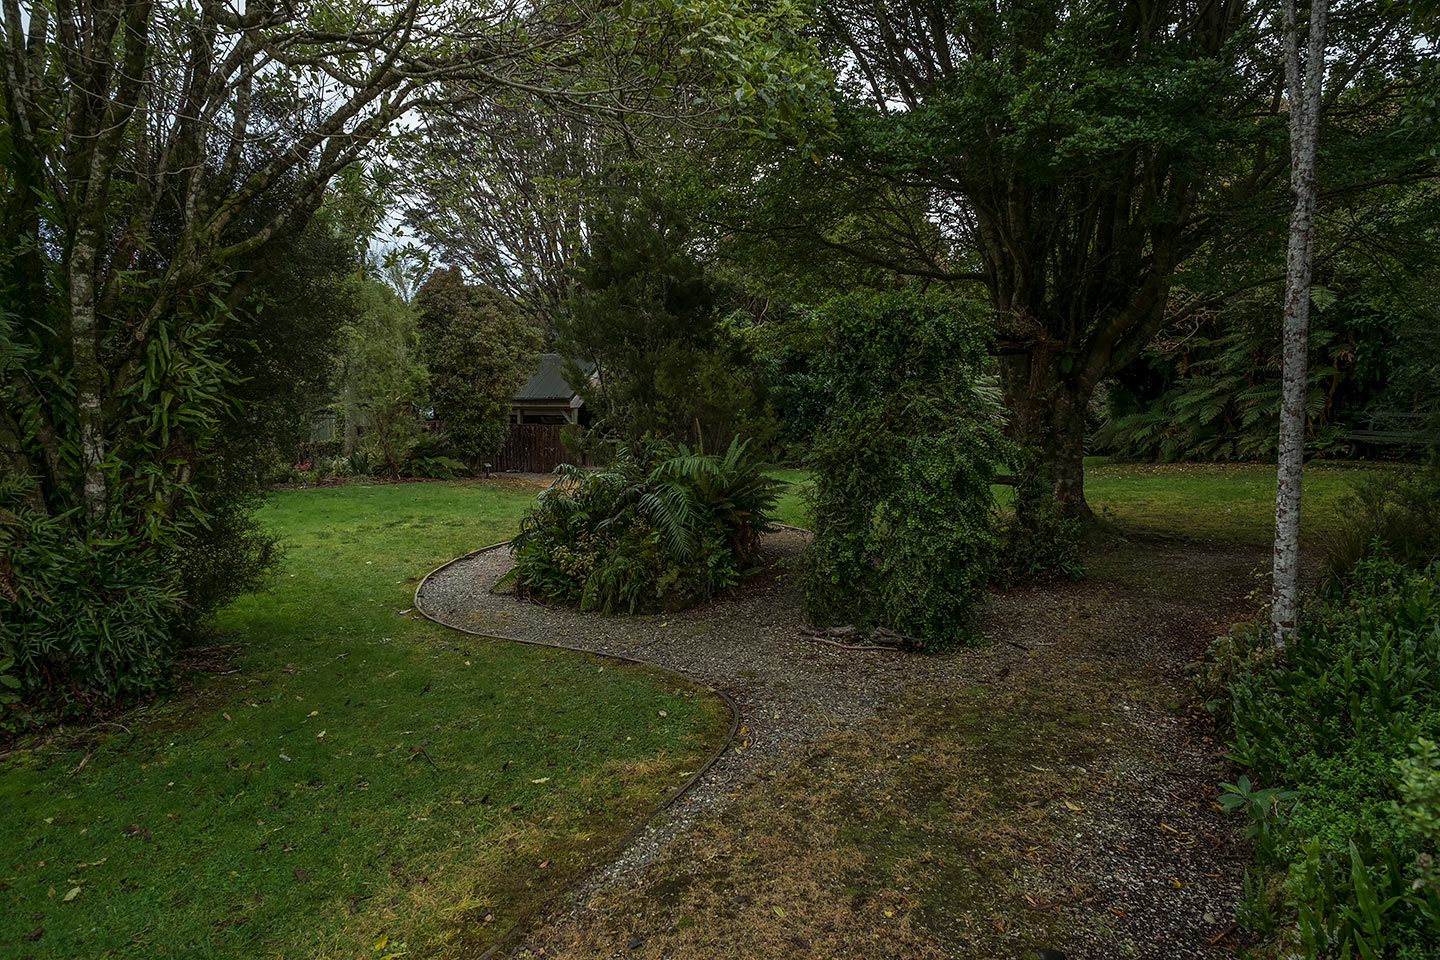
(1340, 729)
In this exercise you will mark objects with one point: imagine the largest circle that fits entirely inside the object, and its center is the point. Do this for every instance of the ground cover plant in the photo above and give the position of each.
(1339, 735)
(662, 527)
(1338, 732)
(368, 783)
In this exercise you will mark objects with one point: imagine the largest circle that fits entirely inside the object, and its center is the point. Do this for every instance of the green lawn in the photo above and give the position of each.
(366, 775)
(791, 506)
(1203, 501)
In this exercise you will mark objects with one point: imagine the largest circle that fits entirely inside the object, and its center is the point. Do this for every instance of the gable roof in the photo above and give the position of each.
(548, 381)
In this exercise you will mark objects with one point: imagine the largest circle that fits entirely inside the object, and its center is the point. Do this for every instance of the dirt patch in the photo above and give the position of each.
(1051, 790)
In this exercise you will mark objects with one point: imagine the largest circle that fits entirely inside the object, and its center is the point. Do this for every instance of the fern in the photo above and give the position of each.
(664, 525)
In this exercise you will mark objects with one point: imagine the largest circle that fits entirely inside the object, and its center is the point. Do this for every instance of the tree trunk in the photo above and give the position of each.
(89, 378)
(1305, 102)
(1047, 417)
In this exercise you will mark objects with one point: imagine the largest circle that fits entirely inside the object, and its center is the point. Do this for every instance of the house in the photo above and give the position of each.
(546, 397)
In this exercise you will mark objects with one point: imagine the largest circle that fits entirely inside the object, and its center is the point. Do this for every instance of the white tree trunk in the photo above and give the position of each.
(1304, 88)
(89, 378)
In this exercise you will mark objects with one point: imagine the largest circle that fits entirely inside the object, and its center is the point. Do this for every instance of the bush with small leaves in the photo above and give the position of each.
(904, 519)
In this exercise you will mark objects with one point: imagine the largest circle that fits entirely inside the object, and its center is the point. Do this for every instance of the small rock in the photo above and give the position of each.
(635, 942)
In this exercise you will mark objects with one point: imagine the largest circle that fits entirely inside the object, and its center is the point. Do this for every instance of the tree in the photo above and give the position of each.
(504, 192)
(1065, 158)
(646, 336)
(1305, 89)
(479, 350)
(384, 376)
(152, 157)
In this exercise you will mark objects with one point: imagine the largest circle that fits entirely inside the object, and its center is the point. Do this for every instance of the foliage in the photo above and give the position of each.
(427, 457)
(904, 519)
(662, 528)
(1336, 729)
(479, 350)
(1132, 145)
(83, 620)
(1039, 541)
(648, 344)
(157, 158)
(1209, 389)
(383, 375)
(1398, 511)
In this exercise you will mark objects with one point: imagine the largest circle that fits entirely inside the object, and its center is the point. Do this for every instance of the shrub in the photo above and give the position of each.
(1038, 541)
(429, 457)
(662, 528)
(84, 619)
(1339, 726)
(1400, 511)
(904, 520)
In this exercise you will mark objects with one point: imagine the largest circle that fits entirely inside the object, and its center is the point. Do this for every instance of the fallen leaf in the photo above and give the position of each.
(302, 875)
(74, 892)
(1073, 806)
(381, 940)
(320, 735)
(779, 912)
(225, 715)
(544, 864)
(541, 780)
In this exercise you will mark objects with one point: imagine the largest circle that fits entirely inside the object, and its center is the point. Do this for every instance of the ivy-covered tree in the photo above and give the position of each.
(479, 348)
(906, 527)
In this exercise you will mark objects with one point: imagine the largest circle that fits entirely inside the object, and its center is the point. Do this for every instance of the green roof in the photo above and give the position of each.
(548, 381)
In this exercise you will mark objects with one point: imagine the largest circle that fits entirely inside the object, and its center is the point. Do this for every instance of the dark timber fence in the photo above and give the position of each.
(533, 448)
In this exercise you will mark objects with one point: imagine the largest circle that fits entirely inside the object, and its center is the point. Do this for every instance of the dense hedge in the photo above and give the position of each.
(663, 528)
(905, 523)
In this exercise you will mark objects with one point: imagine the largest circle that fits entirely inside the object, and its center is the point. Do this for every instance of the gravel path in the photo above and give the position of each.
(790, 690)
(1160, 869)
